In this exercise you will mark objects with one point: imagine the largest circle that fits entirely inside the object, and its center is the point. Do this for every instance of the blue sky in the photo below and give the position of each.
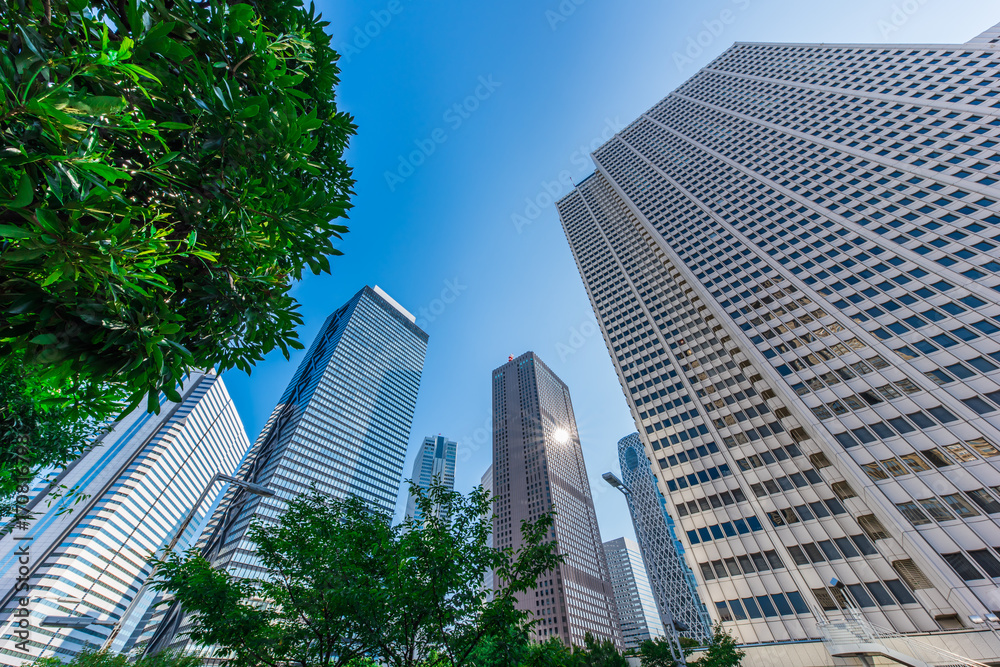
(453, 215)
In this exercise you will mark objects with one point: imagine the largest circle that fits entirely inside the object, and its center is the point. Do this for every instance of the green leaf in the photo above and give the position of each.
(25, 192)
(249, 112)
(171, 125)
(45, 339)
(11, 232)
(106, 172)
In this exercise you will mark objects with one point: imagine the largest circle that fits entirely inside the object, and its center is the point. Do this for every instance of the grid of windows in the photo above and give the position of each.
(538, 464)
(799, 248)
(92, 556)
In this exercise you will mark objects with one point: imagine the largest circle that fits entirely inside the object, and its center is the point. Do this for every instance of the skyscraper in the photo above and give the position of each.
(487, 484)
(341, 427)
(435, 461)
(638, 616)
(135, 486)
(538, 463)
(793, 262)
(674, 588)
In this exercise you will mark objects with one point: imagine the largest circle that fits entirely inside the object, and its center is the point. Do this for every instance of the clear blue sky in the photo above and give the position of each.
(551, 77)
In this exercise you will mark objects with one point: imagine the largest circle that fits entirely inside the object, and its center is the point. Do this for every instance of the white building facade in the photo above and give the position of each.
(435, 462)
(793, 262)
(637, 613)
(91, 557)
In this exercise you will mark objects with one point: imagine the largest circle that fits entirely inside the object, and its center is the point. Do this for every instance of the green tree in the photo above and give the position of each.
(342, 583)
(167, 171)
(661, 652)
(596, 653)
(723, 651)
(106, 659)
(327, 562)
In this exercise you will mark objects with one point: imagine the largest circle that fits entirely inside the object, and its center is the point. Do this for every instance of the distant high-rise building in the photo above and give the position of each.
(538, 462)
(793, 261)
(638, 616)
(135, 487)
(342, 427)
(435, 462)
(674, 588)
(487, 484)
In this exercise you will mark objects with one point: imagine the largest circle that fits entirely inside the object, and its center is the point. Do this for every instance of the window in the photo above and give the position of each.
(843, 490)
(824, 599)
(724, 613)
(960, 505)
(987, 561)
(895, 468)
(911, 574)
(983, 447)
(937, 457)
(873, 527)
(900, 592)
(797, 555)
(962, 566)
(880, 594)
(874, 470)
(936, 509)
(985, 501)
(914, 462)
(860, 595)
(959, 452)
(913, 513)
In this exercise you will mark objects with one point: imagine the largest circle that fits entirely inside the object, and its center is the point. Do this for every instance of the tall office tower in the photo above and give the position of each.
(341, 427)
(538, 463)
(90, 558)
(638, 616)
(435, 462)
(793, 262)
(487, 484)
(671, 578)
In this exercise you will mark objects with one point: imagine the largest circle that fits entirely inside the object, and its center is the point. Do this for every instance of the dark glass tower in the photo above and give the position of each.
(342, 425)
(538, 463)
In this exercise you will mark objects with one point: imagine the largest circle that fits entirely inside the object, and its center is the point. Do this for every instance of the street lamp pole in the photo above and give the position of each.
(675, 637)
(218, 477)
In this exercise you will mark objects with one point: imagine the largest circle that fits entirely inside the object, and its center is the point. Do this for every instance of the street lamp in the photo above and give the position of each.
(256, 489)
(611, 479)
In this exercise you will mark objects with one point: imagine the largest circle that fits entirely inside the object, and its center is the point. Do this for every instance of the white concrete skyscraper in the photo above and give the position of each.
(435, 462)
(637, 613)
(90, 558)
(793, 262)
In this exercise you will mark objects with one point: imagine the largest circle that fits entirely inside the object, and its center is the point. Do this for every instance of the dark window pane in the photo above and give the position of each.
(835, 506)
(846, 547)
(819, 509)
(766, 606)
(798, 604)
(774, 560)
(860, 595)
(901, 425)
(921, 420)
(814, 553)
(864, 545)
(900, 591)
(830, 550)
(879, 593)
(983, 498)
(724, 614)
(745, 564)
(781, 603)
(706, 572)
(882, 430)
(798, 556)
(962, 566)
(737, 608)
(987, 561)
(804, 512)
(759, 562)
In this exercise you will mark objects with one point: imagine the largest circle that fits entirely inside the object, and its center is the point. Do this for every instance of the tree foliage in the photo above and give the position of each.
(342, 583)
(90, 658)
(168, 168)
(723, 650)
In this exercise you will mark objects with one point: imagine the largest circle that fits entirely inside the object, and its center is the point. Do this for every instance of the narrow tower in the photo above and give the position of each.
(538, 463)
(435, 462)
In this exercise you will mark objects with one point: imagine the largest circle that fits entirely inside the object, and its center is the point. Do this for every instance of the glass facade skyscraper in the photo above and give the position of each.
(794, 264)
(674, 588)
(638, 616)
(136, 486)
(538, 463)
(435, 461)
(342, 427)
